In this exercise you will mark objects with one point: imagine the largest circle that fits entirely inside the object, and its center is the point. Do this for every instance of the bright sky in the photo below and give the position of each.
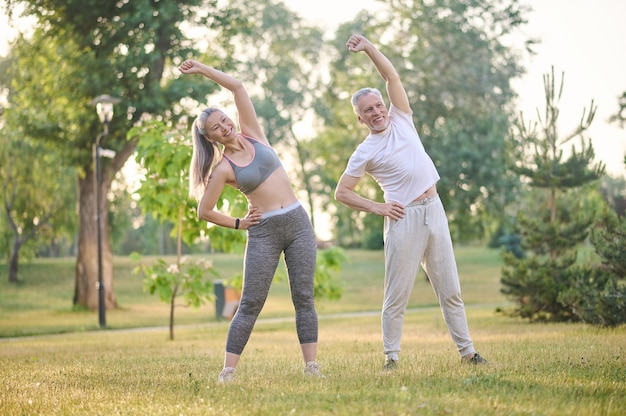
(584, 38)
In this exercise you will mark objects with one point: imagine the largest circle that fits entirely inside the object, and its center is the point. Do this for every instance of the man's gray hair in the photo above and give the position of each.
(360, 93)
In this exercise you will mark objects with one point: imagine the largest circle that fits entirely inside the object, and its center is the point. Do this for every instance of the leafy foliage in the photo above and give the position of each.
(165, 155)
(186, 279)
(36, 197)
(328, 264)
(168, 281)
(81, 49)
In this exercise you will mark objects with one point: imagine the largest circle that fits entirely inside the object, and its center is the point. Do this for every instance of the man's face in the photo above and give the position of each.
(373, 113)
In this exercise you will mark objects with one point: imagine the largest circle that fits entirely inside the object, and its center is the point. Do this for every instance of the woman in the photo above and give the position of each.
(275, 223)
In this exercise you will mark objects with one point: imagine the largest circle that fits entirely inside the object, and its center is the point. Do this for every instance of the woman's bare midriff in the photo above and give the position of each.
(273, 194)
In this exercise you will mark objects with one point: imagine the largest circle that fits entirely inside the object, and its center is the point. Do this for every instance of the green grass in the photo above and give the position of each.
(535, 369)
(42, 302)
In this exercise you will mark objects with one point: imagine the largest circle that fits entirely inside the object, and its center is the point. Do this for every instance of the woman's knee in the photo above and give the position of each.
(250, 307)
(303, 299)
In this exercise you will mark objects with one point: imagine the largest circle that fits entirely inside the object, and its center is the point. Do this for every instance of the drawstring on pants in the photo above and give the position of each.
(424, 201)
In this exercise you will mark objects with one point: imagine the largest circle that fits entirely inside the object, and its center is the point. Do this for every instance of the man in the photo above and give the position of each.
(415, 224)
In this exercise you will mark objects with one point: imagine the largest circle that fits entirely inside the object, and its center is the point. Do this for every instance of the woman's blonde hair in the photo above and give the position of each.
(203, 159)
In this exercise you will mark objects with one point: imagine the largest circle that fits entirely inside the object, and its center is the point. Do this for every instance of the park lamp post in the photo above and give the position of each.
(104, 108)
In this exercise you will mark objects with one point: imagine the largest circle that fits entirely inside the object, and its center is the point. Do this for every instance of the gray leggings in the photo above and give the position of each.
(289, 232)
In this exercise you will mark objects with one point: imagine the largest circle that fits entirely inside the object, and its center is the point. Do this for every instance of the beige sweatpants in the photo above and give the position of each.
(422, 237)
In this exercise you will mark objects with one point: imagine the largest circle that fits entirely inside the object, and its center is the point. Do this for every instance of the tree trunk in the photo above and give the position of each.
(14, 261)
(172, 307)
(86, 285)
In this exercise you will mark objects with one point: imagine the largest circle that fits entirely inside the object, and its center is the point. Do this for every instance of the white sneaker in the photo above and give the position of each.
(312, 369)
(227, 375)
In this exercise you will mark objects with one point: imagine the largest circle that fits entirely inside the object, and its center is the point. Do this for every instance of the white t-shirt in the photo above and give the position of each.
(396, 159)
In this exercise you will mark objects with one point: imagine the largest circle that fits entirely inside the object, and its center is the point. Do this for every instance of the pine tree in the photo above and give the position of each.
(598, 295)
(554, 223)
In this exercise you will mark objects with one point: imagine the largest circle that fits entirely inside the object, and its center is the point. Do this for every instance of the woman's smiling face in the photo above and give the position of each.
(219, 127)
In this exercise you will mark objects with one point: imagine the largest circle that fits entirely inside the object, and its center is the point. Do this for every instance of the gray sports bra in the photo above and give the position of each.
(263, 164)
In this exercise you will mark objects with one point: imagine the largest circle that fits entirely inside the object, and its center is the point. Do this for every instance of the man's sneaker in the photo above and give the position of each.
(474, 359)
(312, 369)
(227, 375)
(390, 364)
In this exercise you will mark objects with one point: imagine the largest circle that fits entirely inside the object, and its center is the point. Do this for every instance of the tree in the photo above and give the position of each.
(81, 49)
(597, 294)
(555, 224)
(37, 194)
(457, 70)
(164, 192)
